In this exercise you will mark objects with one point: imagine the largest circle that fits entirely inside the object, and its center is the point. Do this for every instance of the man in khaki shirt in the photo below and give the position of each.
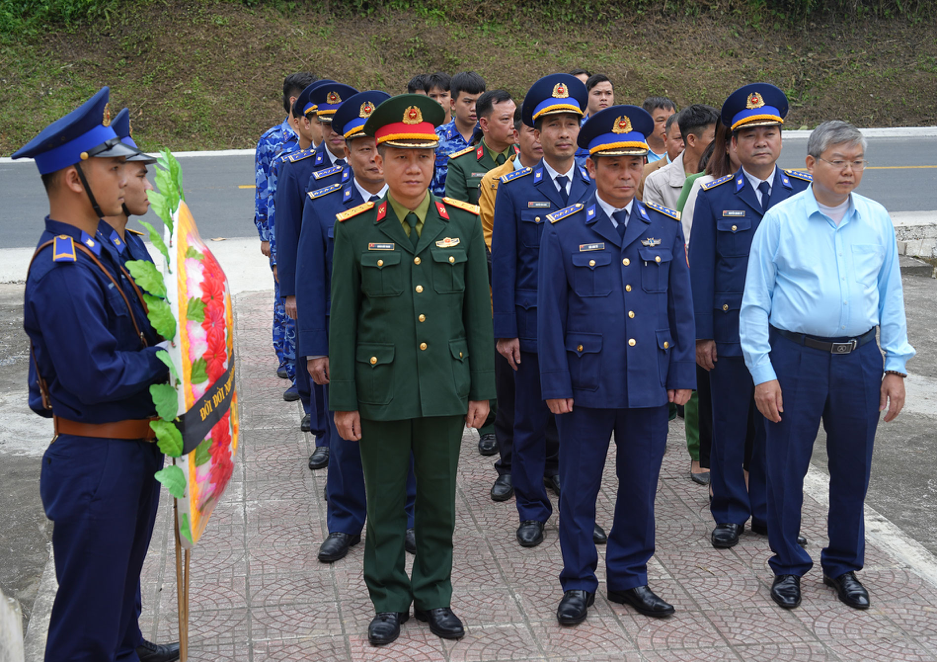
(673, 142)
(698, 128)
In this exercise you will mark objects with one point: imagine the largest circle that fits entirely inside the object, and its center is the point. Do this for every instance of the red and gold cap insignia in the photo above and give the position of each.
(106, 120)
(412, 115)
(366, 109)
(754, 101)
(333, 98)
(560, 91)
(622, 125)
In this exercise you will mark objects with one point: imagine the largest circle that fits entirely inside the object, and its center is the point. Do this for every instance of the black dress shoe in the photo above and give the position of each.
(305, 425)
(574, 606)
(850, 590)
(701, 478)
(762, 530)
(785, 591)
(530, 533)
(319, 458)
(503, 489)
(725, 536)
(336, 546)
(150, 652)
(385, 627)
(281, 372)
(291, 394)
(552, 483)
(598, 535)
(409, 542)
(442, 622)
(488, 445)
(644, 600)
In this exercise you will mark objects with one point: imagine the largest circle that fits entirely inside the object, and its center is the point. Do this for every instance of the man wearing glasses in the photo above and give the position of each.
(823, 276)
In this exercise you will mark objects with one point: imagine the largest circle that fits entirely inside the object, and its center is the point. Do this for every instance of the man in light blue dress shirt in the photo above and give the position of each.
(822, 275)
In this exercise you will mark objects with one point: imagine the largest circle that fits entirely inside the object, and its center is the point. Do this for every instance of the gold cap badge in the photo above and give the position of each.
(412, 115)
(754, 101)
(622, 125)
(106, 121)
(560, 91)
(366, 109)
(333, 98)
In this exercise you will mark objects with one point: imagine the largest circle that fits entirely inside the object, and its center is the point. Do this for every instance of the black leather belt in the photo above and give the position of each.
(831, 345)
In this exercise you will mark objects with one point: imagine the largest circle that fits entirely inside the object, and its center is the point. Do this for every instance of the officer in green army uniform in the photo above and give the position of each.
(410, 351)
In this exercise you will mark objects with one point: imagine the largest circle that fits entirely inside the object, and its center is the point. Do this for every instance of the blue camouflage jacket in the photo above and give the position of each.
(450, 140)
(269, 146)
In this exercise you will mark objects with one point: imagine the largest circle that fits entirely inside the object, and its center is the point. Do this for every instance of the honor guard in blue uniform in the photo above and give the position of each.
(97, 482)
(616, 344)
(553, 106)
(290, 196)
(347, 503)
(728, 211)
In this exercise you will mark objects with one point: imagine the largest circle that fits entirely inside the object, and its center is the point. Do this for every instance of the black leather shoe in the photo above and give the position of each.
(552, 483)
(385, 627)
(410, 541)
(281, 372)
(336, 546)
(598, 535)
(319, 458)
(150, 652)
(574, 606)
(762, 530)
(785, 591)
(725, 536)
(305, 425)
(487, 445)
(442, 622)
(644, 600)
(530, 533)
(291, 394)
(503, 489)
(702, 478)
(850, 590)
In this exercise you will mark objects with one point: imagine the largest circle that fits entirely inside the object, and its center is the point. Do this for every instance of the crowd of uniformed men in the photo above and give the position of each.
(449, 257)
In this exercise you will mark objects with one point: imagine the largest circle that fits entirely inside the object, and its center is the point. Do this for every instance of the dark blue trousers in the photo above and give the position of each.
(313, 399)
(98, 494)
(640, 439)
(843, 391)
(347, 503)
(734, 410)
(528, 464)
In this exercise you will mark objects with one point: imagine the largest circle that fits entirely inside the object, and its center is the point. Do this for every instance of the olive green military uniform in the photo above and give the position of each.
(468, 166)
(410, 344)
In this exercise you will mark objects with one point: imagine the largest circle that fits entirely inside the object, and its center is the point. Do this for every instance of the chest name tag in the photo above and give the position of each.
(538, 204)
(591, 247)
(380, 247)
(479, 174)
(733, 213)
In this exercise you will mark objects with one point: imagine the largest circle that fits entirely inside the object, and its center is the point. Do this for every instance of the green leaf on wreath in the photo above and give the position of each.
(199, 371)
(174, 480)
(201, 452)
(147, 276)
(175, 170)
(163, 356)
(160, 316)
(168, 437)
(166, 185)
(160, 207)
(166, 400)
(157, 240)
(190, 252)
(195, 310)
(184, 527)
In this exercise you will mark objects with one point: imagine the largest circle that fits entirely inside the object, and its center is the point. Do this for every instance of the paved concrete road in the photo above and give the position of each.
(222, 209)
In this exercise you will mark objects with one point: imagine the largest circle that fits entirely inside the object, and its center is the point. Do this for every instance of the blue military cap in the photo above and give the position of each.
(757, 104)
(349, 119)
(303, 104)
(617, 131)
(328, 99)
(84, 133)
(124, 131)
(552, 95)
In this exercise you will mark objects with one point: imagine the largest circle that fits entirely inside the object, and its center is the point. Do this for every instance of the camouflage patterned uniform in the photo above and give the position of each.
(450, 140)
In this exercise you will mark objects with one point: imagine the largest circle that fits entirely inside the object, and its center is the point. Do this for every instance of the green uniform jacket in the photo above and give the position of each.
(466, 169)
(410, 331)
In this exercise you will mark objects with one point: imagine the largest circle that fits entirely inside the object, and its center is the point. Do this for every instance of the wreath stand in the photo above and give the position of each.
(182, 588)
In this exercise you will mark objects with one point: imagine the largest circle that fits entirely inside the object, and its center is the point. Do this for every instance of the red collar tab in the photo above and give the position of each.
(479, 153)
(441, 208)
(517, 150)
(381, 211)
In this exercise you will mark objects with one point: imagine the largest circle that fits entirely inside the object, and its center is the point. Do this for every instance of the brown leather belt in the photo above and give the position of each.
(129, 430)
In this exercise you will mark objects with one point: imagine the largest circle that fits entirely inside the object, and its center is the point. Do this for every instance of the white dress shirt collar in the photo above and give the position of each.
(554, 174)
(367, 196)
(609, 209)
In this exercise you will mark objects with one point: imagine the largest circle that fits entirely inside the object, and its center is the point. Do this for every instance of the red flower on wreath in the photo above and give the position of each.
(212, 289)
(215, 356)
(214, 318)
(220, 451)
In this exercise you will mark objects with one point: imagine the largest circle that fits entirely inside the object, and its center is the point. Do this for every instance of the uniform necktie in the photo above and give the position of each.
(621, 217)
(561, 182)
(374, 198)
(500, 159)
(340, 162)
(765, 189)
(412, 220)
